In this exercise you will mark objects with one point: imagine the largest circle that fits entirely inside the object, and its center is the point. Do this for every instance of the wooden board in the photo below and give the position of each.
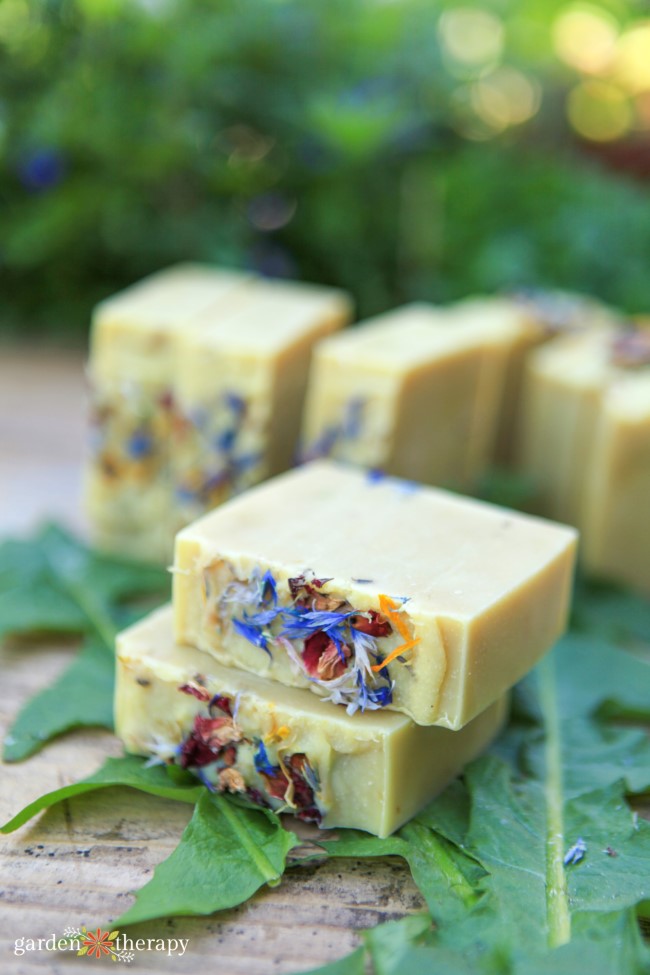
(76, 863)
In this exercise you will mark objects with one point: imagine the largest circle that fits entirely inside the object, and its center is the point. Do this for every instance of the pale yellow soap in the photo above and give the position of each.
(279, 746)
(517, 324)
(374, 592)
(616, 517)
(239, 389)
(132, 359)
(199, 378)
(586, 445)
(408, 394)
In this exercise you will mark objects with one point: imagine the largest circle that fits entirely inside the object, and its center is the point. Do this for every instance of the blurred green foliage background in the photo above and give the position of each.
(399, 148)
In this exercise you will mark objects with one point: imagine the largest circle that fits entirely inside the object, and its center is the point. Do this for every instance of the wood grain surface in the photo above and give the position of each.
(77, 863)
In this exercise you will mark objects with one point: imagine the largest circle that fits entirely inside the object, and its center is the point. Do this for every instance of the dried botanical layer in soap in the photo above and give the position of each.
(586, 445)
(239, 390)
(408, 394)
(132, 360)
(198, 379)
(278, 746)
(373, 592)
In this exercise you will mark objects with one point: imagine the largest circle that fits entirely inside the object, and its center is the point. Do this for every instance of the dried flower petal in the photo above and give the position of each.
(223, 703)
(375, 625)
(231, 780)
(333, 662)
(198, 692)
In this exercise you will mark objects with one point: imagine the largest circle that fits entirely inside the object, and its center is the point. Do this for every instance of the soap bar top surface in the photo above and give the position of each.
(133, 332)
(274, 315)
(444, 552)
(401, 340)
(279, 746)
(596, 360)
(168, 297)
(374, 592)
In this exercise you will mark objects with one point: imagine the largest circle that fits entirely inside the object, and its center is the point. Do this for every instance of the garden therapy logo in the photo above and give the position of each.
(101, 944)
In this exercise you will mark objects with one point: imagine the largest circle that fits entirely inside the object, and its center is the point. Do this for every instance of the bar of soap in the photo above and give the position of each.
(616, 517)
(239, 390)
(373, 592)
(408, 394)
(279, 746)
(586, 445)
(199, 378)
(520, 322)
(132, 358)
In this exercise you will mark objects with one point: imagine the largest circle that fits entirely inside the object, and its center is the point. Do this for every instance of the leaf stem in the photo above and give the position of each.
(66, 575)
(95, 613)
(557, 897)
(260, 859)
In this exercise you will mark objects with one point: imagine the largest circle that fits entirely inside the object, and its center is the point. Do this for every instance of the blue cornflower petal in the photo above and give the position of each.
(351, 425)
(245, 461)
(381, 695)
(225, 440)
(251, 634)
(264, 617)
(185, 494)
(338, 643)
(375, 476)
(269, 583)
(306, 622)
(139, 445)
(262, 761)
(234, 402)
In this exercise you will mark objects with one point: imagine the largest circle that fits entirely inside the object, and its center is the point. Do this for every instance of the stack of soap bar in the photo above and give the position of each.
(239, 389)
(374, 593)
(520, 322)
(199, 379)
(586, 444)
(133, 352)
(279, 746)
(409, 395)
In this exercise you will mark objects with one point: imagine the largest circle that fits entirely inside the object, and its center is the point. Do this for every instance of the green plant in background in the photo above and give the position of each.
(401, 150)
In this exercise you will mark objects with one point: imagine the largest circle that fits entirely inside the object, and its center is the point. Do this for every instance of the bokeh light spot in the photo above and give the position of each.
(599, 111)
(471, 36)
(271, 211)
(506, 97)
(633, 58)
(585, 38)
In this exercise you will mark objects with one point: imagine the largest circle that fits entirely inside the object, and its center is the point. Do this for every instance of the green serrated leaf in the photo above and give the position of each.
(594, 678)
(497, 880)
(81, 697)
(225, 855)
(53, 583)
(39, 608)
(611, 613)
(129, 771)
(594, 755)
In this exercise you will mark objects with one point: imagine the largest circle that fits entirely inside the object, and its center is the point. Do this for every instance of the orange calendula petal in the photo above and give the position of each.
(396, 653)
(390, 609)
